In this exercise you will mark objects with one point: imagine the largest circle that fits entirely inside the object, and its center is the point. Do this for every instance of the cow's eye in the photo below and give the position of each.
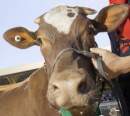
(83, 88)
(39, 40)
(18, 38)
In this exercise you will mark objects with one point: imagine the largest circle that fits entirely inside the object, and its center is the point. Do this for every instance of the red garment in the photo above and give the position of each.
(121, 46)
(124, 31)
(118, 1)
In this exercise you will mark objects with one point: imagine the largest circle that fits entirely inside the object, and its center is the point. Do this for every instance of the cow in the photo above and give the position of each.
(70, 78)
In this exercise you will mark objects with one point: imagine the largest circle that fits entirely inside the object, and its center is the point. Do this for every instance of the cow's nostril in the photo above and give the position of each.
(55, 87)
(83, 88)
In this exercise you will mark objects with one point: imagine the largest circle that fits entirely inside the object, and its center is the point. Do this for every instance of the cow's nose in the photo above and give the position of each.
(55, 87)
(58, 95)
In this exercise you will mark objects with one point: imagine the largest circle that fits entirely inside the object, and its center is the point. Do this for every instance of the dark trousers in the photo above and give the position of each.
(124, 81)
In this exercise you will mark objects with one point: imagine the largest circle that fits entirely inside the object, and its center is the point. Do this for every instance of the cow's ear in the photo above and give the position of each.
(86, 11)
(20, 37)
(111, 17)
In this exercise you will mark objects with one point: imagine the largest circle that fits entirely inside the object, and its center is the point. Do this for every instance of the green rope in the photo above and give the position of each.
(98, 112)
(65, 112)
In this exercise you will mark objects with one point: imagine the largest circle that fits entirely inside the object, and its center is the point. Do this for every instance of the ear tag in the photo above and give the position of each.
(64, 112)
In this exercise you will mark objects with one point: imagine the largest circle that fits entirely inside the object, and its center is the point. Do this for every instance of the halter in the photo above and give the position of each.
(102, 73)
(102, 77)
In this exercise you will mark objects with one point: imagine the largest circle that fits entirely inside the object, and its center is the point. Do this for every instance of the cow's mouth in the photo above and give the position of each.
(73, 109)
(55, 106)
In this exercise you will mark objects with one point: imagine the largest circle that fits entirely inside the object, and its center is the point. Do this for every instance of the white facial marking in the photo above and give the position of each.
(17, 38)
(58, 18)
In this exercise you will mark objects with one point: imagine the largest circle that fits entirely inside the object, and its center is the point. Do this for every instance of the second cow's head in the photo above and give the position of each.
(68, 27)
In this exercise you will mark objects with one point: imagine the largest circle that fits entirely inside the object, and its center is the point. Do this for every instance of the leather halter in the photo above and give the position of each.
(102, 77)
(87, 54)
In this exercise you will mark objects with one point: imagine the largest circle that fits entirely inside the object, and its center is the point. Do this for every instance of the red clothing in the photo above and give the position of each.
(124, 31)
(118, 1)
(120, 44)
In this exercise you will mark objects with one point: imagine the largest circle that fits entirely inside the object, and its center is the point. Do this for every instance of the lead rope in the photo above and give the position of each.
(115, 89)
(101, 82)
(103, 76)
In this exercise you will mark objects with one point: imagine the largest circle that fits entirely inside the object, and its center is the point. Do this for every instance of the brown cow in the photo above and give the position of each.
(64, 27)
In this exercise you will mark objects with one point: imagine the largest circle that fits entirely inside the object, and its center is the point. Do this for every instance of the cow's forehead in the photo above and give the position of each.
(61, 17)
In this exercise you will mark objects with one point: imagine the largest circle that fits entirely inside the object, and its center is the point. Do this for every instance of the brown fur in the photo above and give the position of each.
(54, 42)
(27, 98)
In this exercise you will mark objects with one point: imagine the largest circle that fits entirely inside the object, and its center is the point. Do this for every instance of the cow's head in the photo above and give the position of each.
(68, 27)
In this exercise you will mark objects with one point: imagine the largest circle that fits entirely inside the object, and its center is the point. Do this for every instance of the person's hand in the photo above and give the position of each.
(110, 60)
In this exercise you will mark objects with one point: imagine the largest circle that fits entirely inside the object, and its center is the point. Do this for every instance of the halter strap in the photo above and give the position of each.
(87, 54)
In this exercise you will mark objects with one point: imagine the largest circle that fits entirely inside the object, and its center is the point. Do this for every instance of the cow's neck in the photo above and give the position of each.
(37, 94)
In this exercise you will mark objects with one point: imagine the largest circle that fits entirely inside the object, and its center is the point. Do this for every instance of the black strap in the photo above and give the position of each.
(115, 89)
(117, 92)
(128, 1)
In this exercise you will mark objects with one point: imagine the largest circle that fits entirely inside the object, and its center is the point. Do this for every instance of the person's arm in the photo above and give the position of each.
(113, 64)
(124, 65)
